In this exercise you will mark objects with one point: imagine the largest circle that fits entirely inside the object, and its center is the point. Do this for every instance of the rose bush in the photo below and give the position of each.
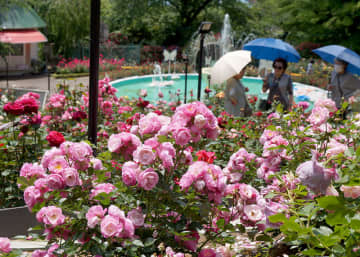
(189, 179)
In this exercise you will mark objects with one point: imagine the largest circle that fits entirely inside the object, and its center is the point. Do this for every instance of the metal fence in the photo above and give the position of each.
(131, 53)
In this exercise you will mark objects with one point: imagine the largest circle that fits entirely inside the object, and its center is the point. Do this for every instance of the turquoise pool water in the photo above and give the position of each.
(131, 87)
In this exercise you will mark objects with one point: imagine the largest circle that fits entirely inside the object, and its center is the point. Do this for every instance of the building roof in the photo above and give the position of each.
(20, 17)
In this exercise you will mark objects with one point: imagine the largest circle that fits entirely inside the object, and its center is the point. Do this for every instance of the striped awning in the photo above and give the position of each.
(22, 36)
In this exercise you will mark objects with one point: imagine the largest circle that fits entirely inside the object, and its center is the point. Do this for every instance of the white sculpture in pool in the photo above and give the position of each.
(157, 79)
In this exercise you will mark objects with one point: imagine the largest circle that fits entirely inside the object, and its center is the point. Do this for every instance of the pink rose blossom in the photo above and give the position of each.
(199, 121)
(57, 164)
(182, 136)
(41, 184)
(144, 155)
(319, 115)
(5, 245)
(102, 188)
(31, 196)
(189, 241)
(137, 217)
(51, 215)
(110, 226)
(55, 181)
(253, 213)
(123, 143)
(207, 252)
(153, 142)
(326, 103)
(130, 171)
(29, 170)
(115, 212)
(351, 191)
(50, 155)
(313, 175)
(71, 177)
(148, 179)
(335, 148)
(39, 253)
(95, 215)
(149, 124)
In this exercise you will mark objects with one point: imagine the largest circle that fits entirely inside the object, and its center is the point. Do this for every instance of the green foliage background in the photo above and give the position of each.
(173, 22)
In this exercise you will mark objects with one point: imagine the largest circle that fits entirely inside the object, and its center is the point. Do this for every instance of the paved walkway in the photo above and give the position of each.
(39, 82)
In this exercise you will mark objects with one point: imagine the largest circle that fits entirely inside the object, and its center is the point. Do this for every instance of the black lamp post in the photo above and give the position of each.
(94, 70)
(203, 29)
(186, 61)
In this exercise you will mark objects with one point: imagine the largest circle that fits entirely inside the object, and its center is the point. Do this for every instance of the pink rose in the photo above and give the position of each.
(39, 253)
(5, 245)
(182, 136)
(189, 241)
(123, 143)
(207, 252)
(319, 115)
(71, 177)
(253, 212)
(199, 121)
(55, 181)
(50, 155)
(115, 212)
(149, 124)
(130, 171)
(144, 155)
(148, 179)
(57, 164)
(110, 226)
(102, 188)
(95, 215)
(31, 196)
(29, 170)
(137, 217)
(80, 152)
(51, 215)
(313, 175)
(351, 191)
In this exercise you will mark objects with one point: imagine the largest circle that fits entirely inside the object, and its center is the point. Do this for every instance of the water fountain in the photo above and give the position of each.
(243, 39)
(157, 79)
(226, 40)
(214, 47)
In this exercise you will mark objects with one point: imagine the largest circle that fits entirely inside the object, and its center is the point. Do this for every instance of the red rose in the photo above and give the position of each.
(208, 157)
(79, 115)
(14, 108)
(30, 105)
(55, 138)
(258, 114)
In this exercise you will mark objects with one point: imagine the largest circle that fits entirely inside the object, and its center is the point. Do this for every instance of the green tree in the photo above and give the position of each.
(68, 22)
(322, 21)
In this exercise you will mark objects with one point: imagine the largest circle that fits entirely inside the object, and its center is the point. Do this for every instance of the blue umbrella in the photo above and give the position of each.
(272, 48)
(329, 53)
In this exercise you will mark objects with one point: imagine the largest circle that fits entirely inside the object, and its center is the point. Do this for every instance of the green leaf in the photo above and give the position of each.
(220, 223)
(162, 139)
(312, 252)
(322, 231)
(355, 222)
(138, 243)
(330, 202)
(264, 238)
(5, 173)
(358, 152)
(149, 241)
(337, 217)
(279, 217)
